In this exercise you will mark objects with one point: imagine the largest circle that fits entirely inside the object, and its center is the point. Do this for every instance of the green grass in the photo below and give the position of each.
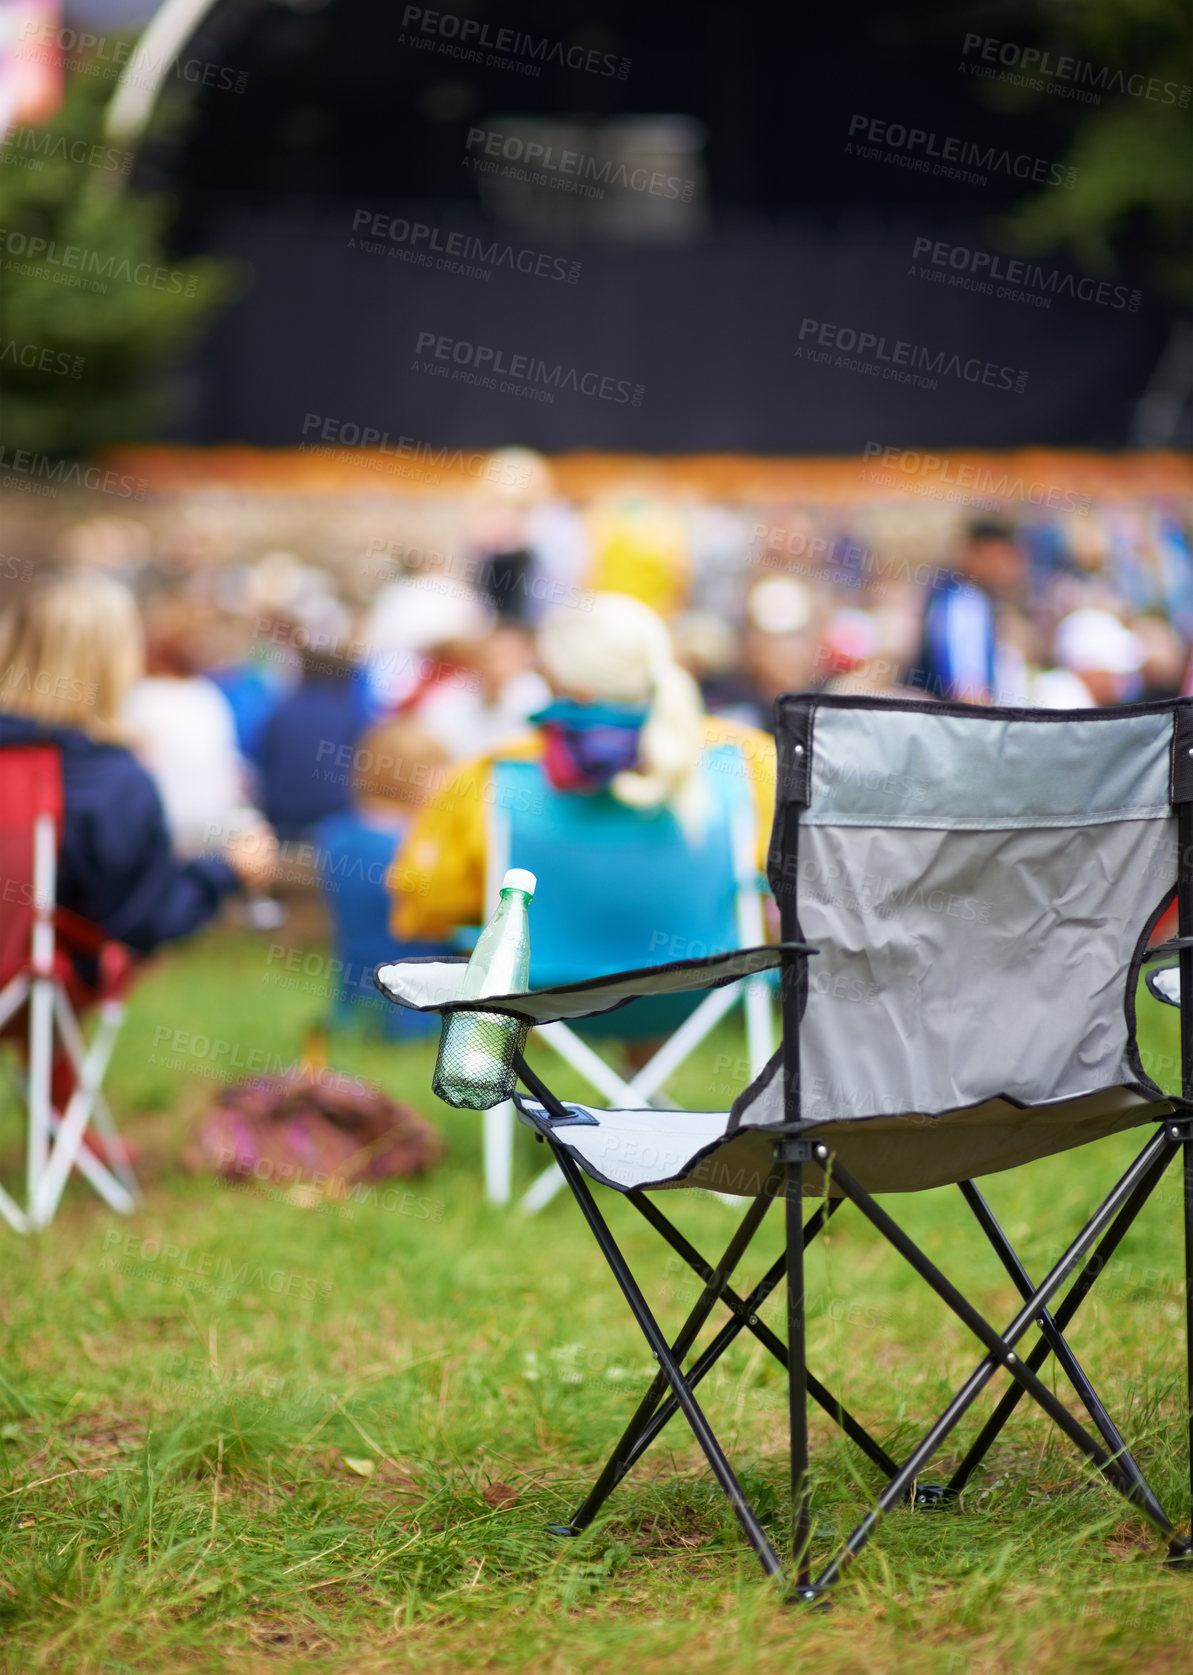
(238, 1433)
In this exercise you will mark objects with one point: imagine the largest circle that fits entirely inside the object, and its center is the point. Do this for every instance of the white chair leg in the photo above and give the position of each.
(98, 1177)
(499, 1152)
(590, 1065)
(69, 1151)
(41, 1055)
(687, 1037)
(760, 1033)
(543, 1190)
(12, 996)
(13, 1213)
(111, 1016)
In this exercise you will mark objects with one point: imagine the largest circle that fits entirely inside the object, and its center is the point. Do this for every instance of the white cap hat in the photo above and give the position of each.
(779, 605)
(517, 878)
(1092, 639)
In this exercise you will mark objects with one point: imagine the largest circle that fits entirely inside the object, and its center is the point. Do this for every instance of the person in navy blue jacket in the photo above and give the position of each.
(70, 651)
(306, 740)
(961, 657)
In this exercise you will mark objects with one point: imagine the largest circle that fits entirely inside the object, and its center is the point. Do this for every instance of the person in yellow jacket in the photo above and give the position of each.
(624, 717)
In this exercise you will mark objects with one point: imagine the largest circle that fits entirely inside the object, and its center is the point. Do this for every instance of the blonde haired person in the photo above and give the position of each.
(624, 718)
(397, 767)
(71, 649)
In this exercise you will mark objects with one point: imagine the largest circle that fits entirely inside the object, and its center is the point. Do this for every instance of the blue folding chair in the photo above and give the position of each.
(620, 887)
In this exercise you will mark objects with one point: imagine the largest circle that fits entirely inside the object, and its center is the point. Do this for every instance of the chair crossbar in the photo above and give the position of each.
(1052, 1335)
(1065, 1311)
(69, 1151)
(1000, 1347)
(90, 1065)
(745, 1317)
(12, 996)
(744, 1312)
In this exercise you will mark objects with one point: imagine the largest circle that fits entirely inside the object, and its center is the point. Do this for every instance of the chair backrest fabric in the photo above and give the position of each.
(30, 786)
(980, 884)
(620, 887)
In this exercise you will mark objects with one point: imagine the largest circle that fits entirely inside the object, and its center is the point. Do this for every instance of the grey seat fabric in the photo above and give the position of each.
(656, 1150)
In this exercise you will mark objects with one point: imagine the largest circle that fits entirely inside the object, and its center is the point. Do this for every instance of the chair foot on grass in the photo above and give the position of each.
(561, 1530)
(1180, 1553)
(932, 1497)
(810, 1596)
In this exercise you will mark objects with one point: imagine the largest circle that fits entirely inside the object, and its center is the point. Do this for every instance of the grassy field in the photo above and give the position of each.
(241, 1432)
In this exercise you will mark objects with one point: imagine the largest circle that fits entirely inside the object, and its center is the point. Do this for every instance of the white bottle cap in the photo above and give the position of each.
(517, 878)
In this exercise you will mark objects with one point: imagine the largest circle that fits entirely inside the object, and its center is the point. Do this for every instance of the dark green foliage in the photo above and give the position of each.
(90, 297)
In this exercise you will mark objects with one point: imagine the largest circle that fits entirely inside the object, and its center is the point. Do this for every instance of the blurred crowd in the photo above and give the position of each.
(252, 657)
(286, 700)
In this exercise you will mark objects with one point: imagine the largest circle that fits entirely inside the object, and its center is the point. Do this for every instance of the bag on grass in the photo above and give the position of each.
(311, 1127)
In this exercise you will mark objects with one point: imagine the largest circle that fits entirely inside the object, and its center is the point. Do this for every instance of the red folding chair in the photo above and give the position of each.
(42, 993)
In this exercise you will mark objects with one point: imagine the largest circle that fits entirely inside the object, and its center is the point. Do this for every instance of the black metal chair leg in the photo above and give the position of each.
(1064, 1313)
(692, 1412)
(791, 1153)
(1181, 1551)
(638, 1434)
(1072, 1368)
(745, 1318)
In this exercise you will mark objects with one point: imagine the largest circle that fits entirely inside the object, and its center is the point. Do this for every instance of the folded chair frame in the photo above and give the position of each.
(673, 1390)
(57, 1139)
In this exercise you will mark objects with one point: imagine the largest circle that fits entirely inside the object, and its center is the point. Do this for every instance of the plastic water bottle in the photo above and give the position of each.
(476, 1049)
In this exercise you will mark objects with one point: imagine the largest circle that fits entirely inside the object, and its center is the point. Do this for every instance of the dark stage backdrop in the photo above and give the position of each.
(753, 339)
(745, 169)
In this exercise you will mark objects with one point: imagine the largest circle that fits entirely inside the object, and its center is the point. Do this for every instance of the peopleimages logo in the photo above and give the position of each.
(39, 143)
(941, 478)
(344, 433)
(82, 53)
(34, 358)
(43, 475)
(900, 361)
(953, 158)
(981, 271)
(464, 253)
(569, 170)
(1041, 67)
(479, 43)
(525, 375)
(70, 264)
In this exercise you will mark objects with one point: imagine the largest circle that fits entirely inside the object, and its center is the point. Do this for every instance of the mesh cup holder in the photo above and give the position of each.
(475, 1067)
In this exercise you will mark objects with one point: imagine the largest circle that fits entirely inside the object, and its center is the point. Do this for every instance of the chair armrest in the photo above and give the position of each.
(433, 985)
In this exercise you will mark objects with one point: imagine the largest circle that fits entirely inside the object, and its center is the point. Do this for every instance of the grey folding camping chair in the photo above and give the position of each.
(966, 899)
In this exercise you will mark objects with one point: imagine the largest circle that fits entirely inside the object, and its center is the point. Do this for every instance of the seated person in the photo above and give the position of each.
(309, 733)
(397, 766)
(71, 651)
(623, 779)
(182, 728)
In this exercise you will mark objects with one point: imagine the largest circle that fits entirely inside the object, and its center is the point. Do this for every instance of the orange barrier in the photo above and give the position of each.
(1029, 476)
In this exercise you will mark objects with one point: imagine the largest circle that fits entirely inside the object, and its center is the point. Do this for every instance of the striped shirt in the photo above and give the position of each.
(957, 649)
